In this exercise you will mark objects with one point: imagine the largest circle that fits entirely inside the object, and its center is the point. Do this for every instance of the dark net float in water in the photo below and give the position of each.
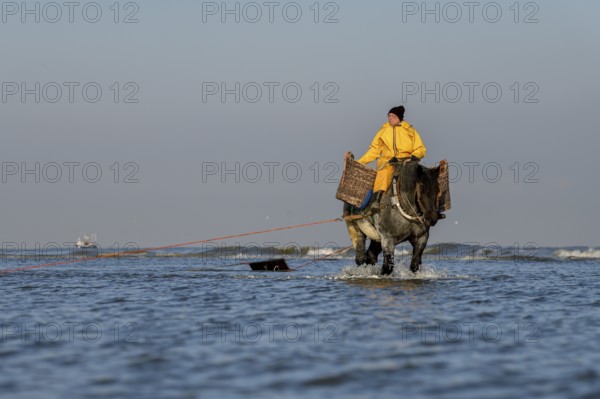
(274, 265)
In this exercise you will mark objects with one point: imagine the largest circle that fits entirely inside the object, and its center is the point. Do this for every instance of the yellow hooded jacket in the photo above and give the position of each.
(407, 143)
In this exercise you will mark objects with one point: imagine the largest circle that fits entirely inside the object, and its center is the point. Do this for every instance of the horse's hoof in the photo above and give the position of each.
(414, 269)
(387, 270)
(360, 261)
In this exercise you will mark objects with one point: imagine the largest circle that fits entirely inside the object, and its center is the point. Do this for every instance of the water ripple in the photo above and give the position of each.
(160, 327)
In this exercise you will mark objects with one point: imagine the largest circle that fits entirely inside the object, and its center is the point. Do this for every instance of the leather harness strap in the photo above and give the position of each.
(395, 200)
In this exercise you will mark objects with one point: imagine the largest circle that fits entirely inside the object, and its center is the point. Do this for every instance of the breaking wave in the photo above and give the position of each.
(439, 252)
(590, 253)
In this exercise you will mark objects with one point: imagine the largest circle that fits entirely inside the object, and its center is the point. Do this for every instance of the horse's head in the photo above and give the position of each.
(420, 188)
(428, 193)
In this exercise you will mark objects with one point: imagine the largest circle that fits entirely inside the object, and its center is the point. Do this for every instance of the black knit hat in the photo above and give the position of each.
(398, 111)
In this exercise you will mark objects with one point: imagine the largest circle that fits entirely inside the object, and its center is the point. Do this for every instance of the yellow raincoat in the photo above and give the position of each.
(400, 141)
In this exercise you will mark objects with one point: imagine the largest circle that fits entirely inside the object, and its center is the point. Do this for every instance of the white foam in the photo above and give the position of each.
(401, 272)
(591, 253)
(323, 252)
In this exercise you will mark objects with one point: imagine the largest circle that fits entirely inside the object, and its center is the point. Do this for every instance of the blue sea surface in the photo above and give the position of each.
(181, 326)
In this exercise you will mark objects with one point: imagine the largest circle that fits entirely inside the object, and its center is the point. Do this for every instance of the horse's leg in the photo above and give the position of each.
(359, 248)
(388, 255)
(373, 252)
(418, 244)
(358, 241)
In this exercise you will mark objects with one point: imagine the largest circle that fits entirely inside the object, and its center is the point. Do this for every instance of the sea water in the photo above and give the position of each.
(177, 324)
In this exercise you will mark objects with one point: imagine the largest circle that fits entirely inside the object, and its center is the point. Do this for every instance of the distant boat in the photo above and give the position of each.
(86, 242)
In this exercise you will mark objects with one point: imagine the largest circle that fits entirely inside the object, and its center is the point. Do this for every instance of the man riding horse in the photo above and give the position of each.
(410, 210)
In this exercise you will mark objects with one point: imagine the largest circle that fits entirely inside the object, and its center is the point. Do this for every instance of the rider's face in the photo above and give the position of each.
(393, 119)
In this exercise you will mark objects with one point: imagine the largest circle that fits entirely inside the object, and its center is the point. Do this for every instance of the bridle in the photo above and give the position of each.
(396, 204)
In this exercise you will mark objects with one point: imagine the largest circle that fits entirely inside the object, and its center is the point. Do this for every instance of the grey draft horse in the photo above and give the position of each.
(408, 209)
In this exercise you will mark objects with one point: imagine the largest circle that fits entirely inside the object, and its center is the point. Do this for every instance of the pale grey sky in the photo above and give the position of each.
(170, 127)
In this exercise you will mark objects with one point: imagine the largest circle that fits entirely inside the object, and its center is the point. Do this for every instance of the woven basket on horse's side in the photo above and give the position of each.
(444, 183)
(357, 181)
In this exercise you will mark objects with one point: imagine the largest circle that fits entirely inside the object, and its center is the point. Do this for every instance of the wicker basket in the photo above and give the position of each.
(444, 183)
(357, 181)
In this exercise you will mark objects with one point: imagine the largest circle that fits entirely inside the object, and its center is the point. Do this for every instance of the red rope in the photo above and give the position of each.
(165, 247)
